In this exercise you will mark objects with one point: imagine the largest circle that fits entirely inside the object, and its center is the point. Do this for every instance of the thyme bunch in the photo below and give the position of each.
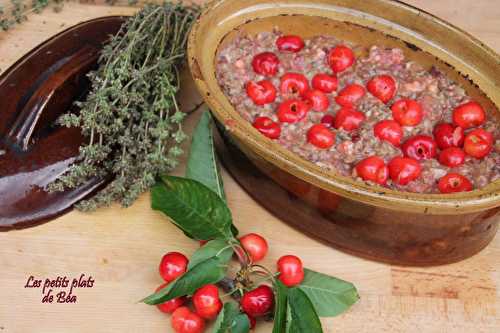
(131, 116)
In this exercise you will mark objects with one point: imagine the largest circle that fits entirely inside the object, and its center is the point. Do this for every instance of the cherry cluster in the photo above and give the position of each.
(450, 139)
(255, 302)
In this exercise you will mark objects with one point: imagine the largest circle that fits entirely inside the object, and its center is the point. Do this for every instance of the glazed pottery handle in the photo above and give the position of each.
(32, 114)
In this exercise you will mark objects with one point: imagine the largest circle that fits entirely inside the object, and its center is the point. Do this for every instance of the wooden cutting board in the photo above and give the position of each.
(121, 248)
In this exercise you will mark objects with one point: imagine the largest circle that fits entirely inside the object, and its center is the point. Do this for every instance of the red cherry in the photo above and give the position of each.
(407, 112)
(389, 130)
(328, 120)
(262, 92)
(292, 110)
(373, 169)
(403, 170)
(478, 143)
(452, 157)
(258, 302)
(467, 115)
(350, 95)
(173, 265)
(324, 82)
(340, 58)
(266, 63)
(268, 127)
(185, 321)
(255, 245)
(206, 301)
(320, 136)
(317, 99)
(172, 305)
(448, 135)
(348, 119)
(454, 182)
(383, 87)
(420, 147)
(293, 83)
(291, 270)
(290, 43)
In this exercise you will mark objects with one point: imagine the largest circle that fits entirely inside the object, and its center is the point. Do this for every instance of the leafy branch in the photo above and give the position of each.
(197, 207)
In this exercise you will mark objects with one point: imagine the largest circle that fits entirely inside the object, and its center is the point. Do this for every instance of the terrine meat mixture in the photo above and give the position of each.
(369, 114)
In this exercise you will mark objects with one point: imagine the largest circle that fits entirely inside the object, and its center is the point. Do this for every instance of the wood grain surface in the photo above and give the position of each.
(120, 248)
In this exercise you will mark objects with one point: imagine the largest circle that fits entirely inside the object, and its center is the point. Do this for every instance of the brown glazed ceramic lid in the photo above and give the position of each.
(33, 152)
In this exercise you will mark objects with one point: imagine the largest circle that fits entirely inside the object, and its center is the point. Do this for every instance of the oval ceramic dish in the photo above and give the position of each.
(374, 222)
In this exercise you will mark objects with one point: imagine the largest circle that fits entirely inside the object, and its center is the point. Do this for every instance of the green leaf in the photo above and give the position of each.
(192, 207)
(280, 308)
(226, 317)
(241, 324)
(215, 248)
(202, 163)
(330, 296)
(206, 272)
(302, 317)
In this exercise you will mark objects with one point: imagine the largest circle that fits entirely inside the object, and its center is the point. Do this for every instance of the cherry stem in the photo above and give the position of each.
(272, 277)
(267, 272)
(245, 260)
(223, 249)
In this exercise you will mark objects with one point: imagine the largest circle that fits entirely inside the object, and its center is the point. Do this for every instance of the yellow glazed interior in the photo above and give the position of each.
(423, 37)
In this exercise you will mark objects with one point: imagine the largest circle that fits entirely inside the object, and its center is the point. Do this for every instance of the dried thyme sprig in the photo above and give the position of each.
(19, 9)
(131, 116)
